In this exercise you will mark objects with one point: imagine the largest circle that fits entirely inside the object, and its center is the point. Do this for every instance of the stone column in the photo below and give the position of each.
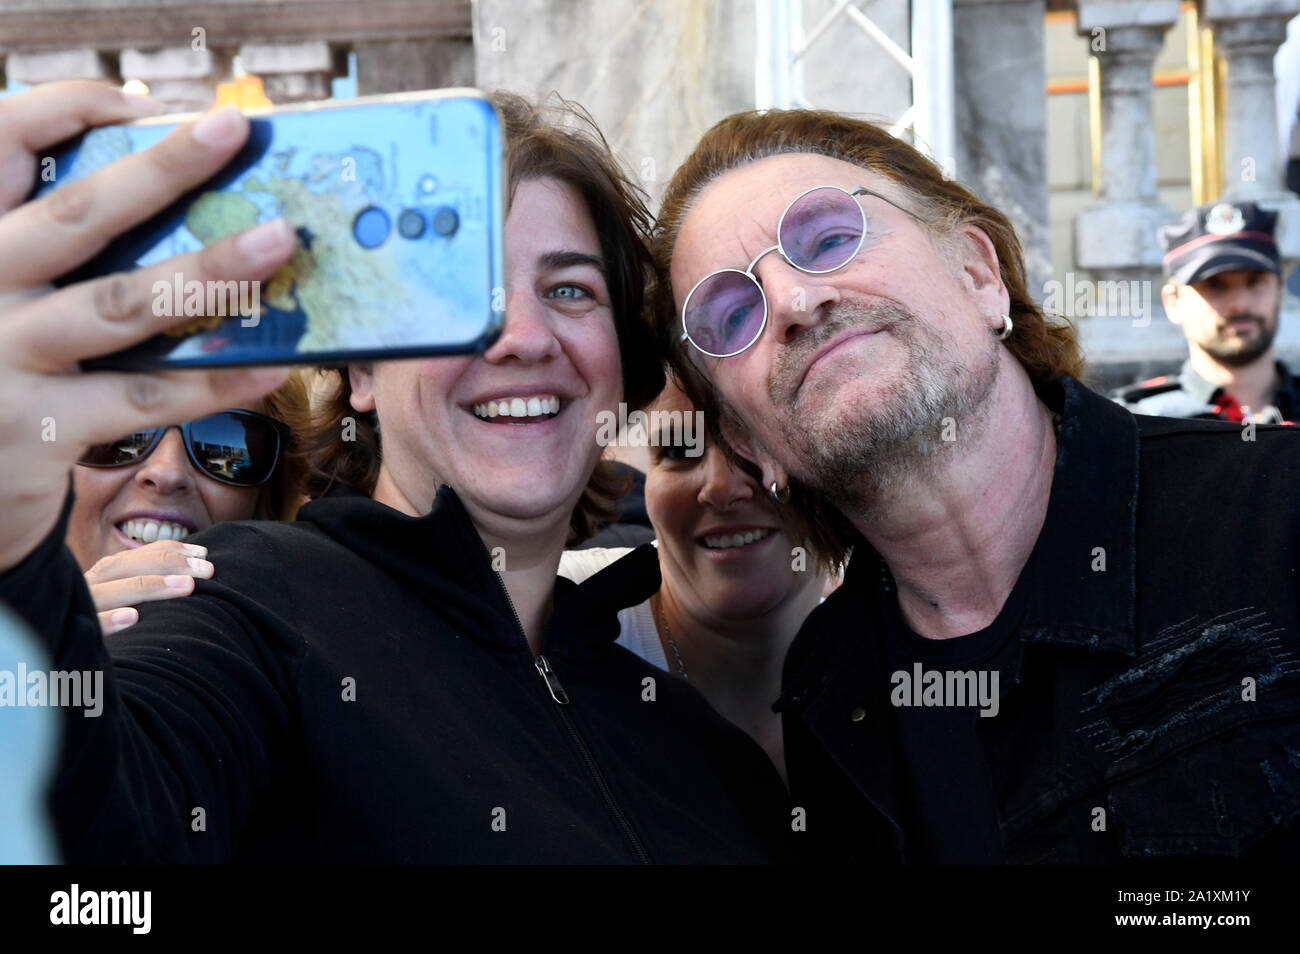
(33, 68)
(403, 65)
(1115, 238)
(1247, 34)
(290, 72)
(182, 77)
(1000, 111)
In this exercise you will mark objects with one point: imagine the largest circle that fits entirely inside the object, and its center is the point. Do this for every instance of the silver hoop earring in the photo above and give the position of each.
(1007, 327)
(780, 496)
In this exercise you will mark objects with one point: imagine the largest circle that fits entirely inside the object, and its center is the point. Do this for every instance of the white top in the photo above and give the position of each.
(637, 631)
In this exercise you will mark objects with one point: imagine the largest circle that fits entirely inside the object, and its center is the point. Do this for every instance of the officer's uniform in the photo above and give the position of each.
(1189, 395)
(1200, 244)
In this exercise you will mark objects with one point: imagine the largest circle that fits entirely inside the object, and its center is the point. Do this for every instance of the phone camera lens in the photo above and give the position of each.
(371, 227)
(446, 221)
(410, 224)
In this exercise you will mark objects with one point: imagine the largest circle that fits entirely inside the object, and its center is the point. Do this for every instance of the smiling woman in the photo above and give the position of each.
(398, 675)
(137, 498)
(739, 577)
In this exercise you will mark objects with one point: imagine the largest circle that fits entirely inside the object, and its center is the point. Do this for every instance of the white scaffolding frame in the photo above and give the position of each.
(781, 46)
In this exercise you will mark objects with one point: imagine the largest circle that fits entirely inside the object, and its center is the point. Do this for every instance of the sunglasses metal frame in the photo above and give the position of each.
(279, 428)
(779, 247)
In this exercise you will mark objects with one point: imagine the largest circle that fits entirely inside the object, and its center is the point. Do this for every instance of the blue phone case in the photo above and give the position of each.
(398, 206)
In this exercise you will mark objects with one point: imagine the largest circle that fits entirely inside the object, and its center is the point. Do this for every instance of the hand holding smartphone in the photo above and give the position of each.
(52, 413)
(397, 204)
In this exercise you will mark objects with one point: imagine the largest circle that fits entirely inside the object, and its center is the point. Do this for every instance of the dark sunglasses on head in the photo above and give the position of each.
(235, 447)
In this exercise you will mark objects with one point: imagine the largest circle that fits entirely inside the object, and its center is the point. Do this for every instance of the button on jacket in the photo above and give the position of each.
(355, 686)
(1152, 706)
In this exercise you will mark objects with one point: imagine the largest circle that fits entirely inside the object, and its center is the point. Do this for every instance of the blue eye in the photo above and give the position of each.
(734, 321)
(831, 242)
(830, 246)
(568, 291)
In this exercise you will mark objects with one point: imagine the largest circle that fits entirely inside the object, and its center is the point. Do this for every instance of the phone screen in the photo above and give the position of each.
(397, 204)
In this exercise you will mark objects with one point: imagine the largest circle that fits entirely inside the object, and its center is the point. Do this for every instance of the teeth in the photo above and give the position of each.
(147, 531)
(518, 407)
(725, 541)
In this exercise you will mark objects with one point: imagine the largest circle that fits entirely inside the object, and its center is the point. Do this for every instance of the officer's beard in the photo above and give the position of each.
(1236, 351)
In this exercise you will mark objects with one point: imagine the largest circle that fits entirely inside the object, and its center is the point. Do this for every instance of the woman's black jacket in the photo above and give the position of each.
(355, 687)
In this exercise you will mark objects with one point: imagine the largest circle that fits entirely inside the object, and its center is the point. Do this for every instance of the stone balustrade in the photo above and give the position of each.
(182, 50)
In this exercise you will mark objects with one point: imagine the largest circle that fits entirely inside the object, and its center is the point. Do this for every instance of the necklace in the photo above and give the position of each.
(668, 635)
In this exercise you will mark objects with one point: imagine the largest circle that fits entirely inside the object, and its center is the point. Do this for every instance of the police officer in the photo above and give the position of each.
(1223, 287)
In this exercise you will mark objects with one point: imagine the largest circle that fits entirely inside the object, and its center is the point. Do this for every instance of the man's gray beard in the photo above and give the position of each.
(859, 460)
(1239, 358)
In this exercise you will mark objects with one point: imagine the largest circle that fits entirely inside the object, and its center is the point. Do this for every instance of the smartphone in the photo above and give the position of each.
(397, 201)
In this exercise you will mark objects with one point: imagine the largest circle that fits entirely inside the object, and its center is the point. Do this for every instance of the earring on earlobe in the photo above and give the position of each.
(1005, 332)
(780, 496)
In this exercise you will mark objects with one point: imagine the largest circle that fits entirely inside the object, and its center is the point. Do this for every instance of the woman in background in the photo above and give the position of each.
(140, 497)
(739, 577)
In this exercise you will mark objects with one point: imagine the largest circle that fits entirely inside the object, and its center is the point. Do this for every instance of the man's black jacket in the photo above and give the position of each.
(1152, 710)
(355, 687)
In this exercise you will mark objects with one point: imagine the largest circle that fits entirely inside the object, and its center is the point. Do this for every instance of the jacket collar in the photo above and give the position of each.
(1286, 398)
(441, 560)
(1196, 386)
(1083, 583)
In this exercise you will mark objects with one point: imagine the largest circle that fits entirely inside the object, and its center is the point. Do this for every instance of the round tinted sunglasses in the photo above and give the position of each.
(819, 231)
(235, 447)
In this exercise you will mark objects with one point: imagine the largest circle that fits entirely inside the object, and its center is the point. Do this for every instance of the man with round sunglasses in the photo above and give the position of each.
(1058, 617)
(137, 499)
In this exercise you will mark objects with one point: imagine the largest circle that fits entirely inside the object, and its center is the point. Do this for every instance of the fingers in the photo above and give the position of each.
(135, 590)
(53, 234)
(114, 621)
(162, 557)
(51, 334)
(124, 402)
(162, 570)
(50, 113)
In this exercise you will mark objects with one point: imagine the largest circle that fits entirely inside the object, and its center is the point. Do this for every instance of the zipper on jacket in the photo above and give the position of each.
(551, 679)
(556, 690)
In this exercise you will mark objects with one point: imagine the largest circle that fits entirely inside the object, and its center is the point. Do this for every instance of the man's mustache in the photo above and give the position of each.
(792, 359)
(1257, 319)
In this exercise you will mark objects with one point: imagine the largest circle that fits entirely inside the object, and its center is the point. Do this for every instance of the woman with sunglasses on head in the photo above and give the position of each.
(740, 574)
(397, 675)
(138, 498)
